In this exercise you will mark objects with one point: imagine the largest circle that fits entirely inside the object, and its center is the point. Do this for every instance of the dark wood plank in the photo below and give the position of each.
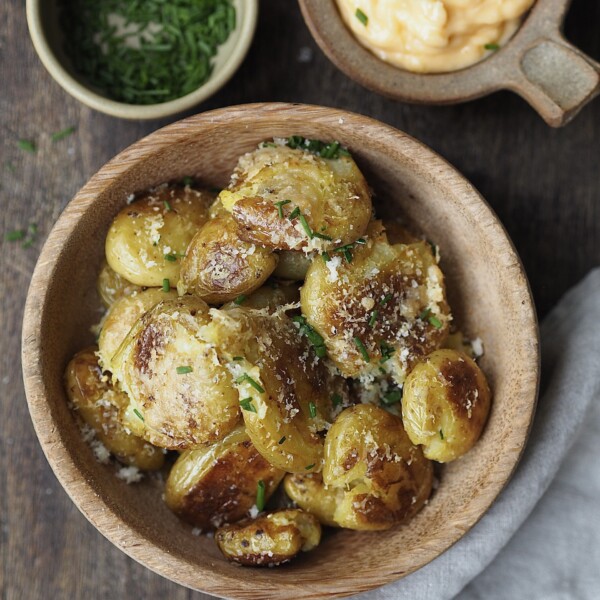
(543, 183)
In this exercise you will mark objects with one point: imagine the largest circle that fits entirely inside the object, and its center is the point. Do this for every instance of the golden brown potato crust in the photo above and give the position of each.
(269, 540)
(111, 286)
(99, 405)
(218, 484)
(312, 495)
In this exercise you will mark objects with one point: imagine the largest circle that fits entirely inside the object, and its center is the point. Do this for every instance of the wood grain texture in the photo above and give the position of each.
(543, 184)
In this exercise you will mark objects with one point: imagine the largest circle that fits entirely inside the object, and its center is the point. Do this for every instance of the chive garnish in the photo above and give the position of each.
(336, 400)
(314, 337)
(252, 382)
(170, 257)
(62, 134)
(441, 434)
(386, 299)
(309, 467)
(166, 286)
(238, 358)
(386, 351)
(392, 397)
(27, 146)
(167, 206)
(294, 214)
(373, 318)
(492, 47)
(187, 181)
(138, 414)
(322, 236)
(246, 404)
(312, 409)
(326, 256)
(281, 440)
(306, 226)
(240, 299)
(260, 495)
(280, 206)
(360, 15)
(360, 345)
(332, 150)
(184, 370)
(435, 322)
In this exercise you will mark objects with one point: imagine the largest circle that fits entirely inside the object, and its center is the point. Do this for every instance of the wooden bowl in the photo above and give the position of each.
(47, 38)
(488, 291)
(537, 63)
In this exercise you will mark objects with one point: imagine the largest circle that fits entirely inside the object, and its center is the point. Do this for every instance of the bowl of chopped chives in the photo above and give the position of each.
(141, 60)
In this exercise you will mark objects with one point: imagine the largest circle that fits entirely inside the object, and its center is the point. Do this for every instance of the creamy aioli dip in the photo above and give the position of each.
(432, 36)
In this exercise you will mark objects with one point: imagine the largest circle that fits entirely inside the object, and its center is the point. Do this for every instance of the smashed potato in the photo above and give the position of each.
(99, 405)
(148, 238)
(219, 266)
(270, 296)
(290, 199)
(312, 495)
(121, 317)
(270, 540)
(111, 286)
(217, 484)
(377, 306)
(445, 405)
(176, 384)
(292, 265)
(385, 478)
(285, 392)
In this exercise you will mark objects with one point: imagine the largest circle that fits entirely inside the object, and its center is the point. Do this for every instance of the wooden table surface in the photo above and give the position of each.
(543, 183)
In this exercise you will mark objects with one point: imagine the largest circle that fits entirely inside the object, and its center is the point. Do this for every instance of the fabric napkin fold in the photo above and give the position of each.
(556, 553)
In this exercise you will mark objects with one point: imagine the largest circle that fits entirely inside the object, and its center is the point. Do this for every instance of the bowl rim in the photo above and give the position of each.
(246, 29)
(100, 512)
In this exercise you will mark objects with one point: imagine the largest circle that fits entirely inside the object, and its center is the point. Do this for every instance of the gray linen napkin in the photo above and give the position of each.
(556, 552)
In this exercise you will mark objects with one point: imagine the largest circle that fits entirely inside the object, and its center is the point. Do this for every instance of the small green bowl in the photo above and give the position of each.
(42, 19)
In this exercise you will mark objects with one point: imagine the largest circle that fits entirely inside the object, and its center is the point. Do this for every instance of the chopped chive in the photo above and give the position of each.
(15, 236)
(312, 409)
(281, 440)
(425, 314)
(361, 241)
(492, 47)
(306, 226)
(167, 206)
(294, 214)
(326, 256)
(362, 348)
(166, 285)
(386, 351)
(336, 400)
(27, 146)
(314, 337)
(170, 257)
(435, 322)
(269, 145)
(322, 236)
(386, 299)
(138, 414)
(392, 397)
(260, 495)
(246, 404)
(187, 181)
(373, 318)
(360, 15)
(183, 370)
(309, 467)
(61, 135)
(441, 434)
(280, 206)
(238, 358)
(240, 299)
(252, 382)
(382, 371)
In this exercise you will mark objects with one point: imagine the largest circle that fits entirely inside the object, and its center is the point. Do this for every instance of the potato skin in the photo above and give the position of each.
(269, 540)
(99, 405)
(219, 266)
(405, 287)
(268, 349)
(445, 404)
(399, 234)
(122, 316)
(160, 223)
(178, 410)
(310, 493)
(270, 296)
(292, 265)
(332, 195)
(217, 484)
(111, 286)
(387, 478)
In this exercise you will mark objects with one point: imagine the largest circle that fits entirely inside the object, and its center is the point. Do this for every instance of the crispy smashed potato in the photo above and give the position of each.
(292, 265)
(385, 478)
(445, 405)
(99, 405)
(148, 238)
(177, 387)
(271, 539)
(217, 484)
(111, 286)
(312, 495)
(286, 393)
(219, 266)
(290, 199)
(377, 306)
(270, 296)
(121, 317)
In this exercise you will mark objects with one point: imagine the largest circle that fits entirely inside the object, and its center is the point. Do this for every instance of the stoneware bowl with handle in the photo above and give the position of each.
(537, 63)
(488, 291)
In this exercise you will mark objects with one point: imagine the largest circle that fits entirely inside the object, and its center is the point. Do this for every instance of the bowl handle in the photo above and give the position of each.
(556, 78)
